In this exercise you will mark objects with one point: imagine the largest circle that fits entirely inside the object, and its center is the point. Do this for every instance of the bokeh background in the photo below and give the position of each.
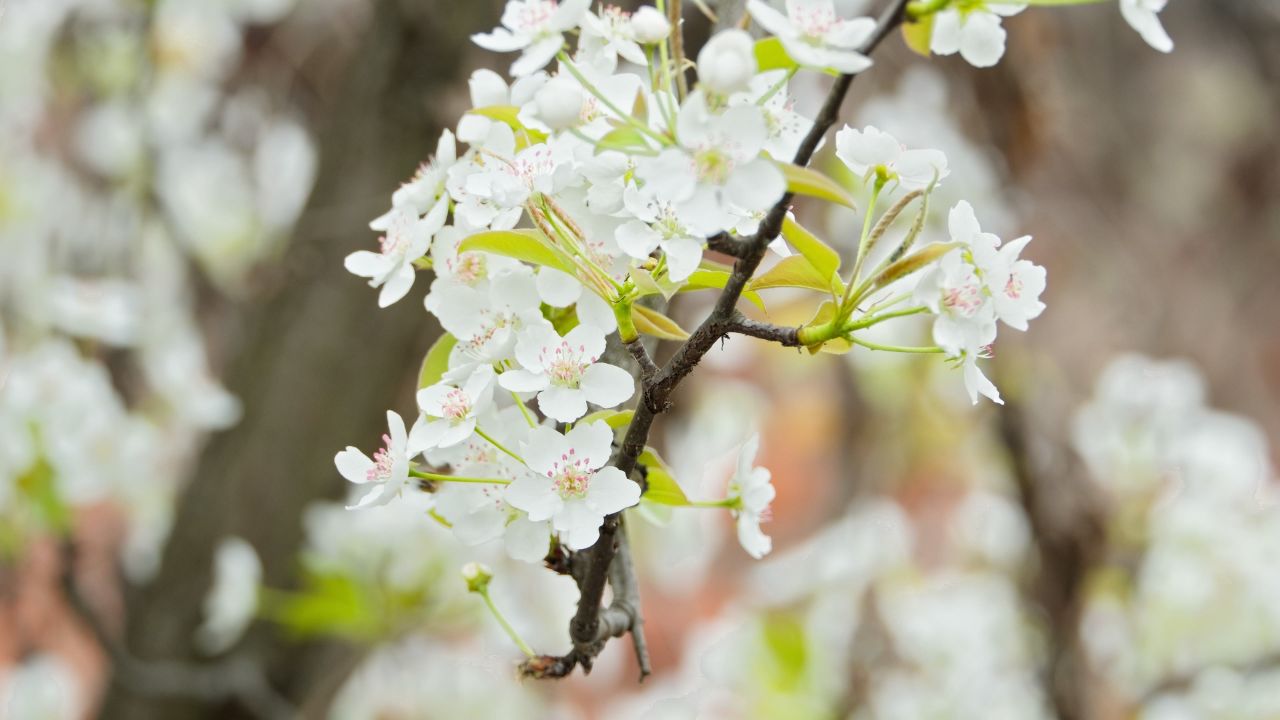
(181, 353)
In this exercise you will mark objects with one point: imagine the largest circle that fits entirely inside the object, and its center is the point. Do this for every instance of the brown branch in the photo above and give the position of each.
(586, 626)
(785, 336)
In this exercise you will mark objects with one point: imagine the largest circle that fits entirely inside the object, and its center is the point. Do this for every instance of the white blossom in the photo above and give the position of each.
(387, 472)
(571, 486)
(727, 62)
(867, 150)
(450, 411)
(753, 491)
(974, 32)
(815, 36)
(535, 27)
(408, 238)
(566, 372)
(1144, 17)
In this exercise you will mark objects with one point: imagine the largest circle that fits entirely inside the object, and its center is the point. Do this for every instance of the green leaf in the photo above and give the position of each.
(39, 484)
(716, 280)
(836, 346)
(510, 116)
(648, 284)
(528, 245)
(770, 55)
(796, 271)
(819, 254)
(652, 322)
(918, 35)
(623, 138)
(330, 604)
(613, 418)
(913, 262)
(436, 361)
(654, 513)
(663, 488)
(807, 181)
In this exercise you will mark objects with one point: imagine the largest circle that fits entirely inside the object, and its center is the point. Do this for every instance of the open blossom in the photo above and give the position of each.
(608, 36)
(786, 127)
(752, 488)
(566, 372)
(863, 151)
(488, 89)
(449, 411)
(424, 190)
(657, 225)
(387, 472)
(718, 171)
(408, 238)
(975, 33)
(570, 485)
(815, 36)
(1144, 16)
(1016, 285)
(535, 27)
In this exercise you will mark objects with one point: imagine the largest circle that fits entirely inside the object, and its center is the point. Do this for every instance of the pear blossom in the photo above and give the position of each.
(870, 149)
(560, 102)
(974, 32)
(650, 25)
(535, 27)
(717, 170)
(815, 36)
(570, 484)
(449, 411)
(1016, 286)
(566, 372)
(786, 127)
(657, 225)
(1144, 17)
(480, 513)
(424, 190)
(408, 238)
(727, 62)
(387, 472)
(488, 89)
(608, 36)
(751, 491)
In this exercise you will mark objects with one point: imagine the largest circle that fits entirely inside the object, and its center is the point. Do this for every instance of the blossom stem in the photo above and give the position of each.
(497, 444)
(439, 518)
(454, 478)
(892, 348)
(523, 410)
(863, 242)
(791, 72)
(506, 626)
(867, 322)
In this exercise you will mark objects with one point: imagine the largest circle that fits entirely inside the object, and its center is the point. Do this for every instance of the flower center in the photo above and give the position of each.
(814, 22)
(470, 267)
(564, 364)
(1013, 288)
(456, 405)
(964, 301)
(570, 476)
(535, 14)
(712, 165)
(382, 462)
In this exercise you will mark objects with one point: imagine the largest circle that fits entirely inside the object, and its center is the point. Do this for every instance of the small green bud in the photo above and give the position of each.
(477, 576)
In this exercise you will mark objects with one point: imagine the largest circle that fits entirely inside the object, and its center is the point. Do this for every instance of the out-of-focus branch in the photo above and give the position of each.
(237, 678)
(1066, 521)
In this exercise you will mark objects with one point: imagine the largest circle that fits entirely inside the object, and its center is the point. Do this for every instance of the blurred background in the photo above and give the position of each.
(182, 352)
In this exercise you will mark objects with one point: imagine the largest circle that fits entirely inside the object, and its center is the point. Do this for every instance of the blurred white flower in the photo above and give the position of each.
(233, 598)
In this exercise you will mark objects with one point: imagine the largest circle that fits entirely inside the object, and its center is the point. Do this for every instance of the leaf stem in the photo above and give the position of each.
(506, 626)
(413, 472)
(497, 444)
(892, 348)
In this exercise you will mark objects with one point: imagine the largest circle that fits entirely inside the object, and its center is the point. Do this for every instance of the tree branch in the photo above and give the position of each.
(743, 325)
(586, 626)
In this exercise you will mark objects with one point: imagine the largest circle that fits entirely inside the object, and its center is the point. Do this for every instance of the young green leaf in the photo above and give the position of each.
(613, 418)
(716, 280)
(528, 245)
(770, 55)
(652, 322)
(819, 254)
(623, 138)
(797, 271)
(663, 488)
(917, 35)
(807, 181)
(436, 361)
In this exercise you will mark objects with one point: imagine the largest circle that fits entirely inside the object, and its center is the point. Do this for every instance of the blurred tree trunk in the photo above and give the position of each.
(317, 364)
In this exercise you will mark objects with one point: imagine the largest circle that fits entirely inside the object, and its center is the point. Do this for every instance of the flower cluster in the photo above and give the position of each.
(568, 204)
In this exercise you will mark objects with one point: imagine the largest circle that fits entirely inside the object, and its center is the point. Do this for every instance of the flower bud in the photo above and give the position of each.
(727, 62)
(559, 103)
(650, 25)
(477, 576)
